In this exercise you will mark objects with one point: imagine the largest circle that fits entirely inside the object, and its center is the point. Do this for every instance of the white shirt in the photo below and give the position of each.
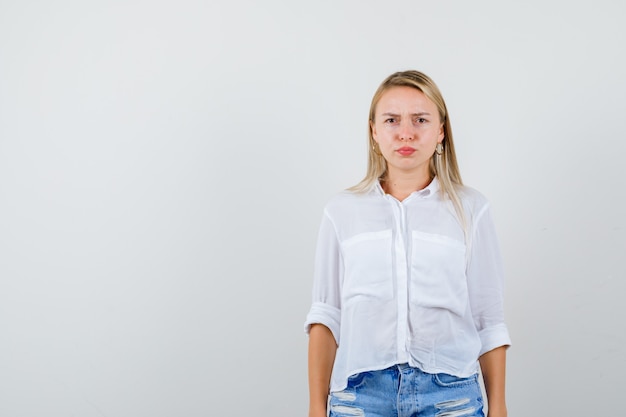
(395, 282)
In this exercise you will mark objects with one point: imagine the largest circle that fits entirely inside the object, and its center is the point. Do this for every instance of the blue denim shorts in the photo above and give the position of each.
(405, 391)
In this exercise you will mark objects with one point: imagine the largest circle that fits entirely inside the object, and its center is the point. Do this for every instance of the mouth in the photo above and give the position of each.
(405, 151)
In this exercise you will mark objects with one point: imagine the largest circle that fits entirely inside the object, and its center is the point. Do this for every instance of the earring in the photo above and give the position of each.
(439, 148)
(376, 149)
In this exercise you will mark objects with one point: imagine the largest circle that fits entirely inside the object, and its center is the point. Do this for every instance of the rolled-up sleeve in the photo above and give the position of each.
(327, 278)
(485, 279)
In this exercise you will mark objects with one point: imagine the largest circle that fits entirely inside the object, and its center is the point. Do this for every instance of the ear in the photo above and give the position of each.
(442, 134)
(373, 129)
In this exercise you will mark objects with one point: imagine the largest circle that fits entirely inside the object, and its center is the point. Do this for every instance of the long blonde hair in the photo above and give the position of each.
(443, 166)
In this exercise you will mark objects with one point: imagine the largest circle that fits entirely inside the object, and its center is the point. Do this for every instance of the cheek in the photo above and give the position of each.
(383, 134)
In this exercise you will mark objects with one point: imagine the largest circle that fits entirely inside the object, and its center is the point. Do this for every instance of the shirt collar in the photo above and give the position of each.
(426, 192)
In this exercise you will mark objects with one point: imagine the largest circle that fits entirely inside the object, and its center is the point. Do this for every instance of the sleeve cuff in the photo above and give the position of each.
(325, 314)
(494, 337)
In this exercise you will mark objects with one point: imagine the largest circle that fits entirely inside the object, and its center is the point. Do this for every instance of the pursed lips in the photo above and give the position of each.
(405, 150)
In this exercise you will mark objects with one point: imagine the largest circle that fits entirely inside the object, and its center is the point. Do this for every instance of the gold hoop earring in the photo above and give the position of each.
(376, 149)
(439, 148)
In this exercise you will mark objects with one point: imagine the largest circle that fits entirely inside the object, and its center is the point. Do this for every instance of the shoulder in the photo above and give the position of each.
(346, 205)
(473, 200)
(346, 200)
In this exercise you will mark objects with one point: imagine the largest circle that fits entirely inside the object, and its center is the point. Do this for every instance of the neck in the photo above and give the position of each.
(401, 185)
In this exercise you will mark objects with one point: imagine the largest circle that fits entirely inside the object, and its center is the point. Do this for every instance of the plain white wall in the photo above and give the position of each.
(163, 167)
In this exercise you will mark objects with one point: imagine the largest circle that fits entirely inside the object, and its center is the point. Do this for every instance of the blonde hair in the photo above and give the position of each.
(443, 166)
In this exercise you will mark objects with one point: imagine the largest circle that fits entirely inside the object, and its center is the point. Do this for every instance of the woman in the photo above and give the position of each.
(408, 283)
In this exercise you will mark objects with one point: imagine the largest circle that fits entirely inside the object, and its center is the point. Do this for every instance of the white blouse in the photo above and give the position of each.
(399, 282)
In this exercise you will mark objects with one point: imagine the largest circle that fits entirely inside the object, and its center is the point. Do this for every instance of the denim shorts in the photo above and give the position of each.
(405, 391)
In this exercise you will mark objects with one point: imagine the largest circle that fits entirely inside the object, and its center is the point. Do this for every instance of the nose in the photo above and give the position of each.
(406, 131)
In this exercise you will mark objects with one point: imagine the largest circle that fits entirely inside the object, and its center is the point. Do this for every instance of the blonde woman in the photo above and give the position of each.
(408, 284)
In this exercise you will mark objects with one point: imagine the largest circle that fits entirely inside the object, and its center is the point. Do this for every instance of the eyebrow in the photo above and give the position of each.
(413, 114)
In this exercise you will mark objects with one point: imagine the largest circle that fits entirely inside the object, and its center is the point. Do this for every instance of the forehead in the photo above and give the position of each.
(404, 98)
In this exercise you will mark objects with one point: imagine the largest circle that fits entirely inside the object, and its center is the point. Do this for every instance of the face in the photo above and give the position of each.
(407, 129)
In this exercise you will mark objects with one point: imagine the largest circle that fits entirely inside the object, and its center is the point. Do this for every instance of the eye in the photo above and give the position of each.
(421, 120)
(390, 120)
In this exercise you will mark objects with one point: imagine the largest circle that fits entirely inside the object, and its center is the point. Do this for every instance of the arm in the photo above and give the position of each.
(322, 349)
(324, 319)
(486, 289)
(493, 367)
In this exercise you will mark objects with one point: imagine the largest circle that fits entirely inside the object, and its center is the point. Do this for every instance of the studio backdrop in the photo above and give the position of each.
(164, 166)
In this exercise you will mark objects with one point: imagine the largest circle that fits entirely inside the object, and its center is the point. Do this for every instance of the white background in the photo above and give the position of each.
(164, 164)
